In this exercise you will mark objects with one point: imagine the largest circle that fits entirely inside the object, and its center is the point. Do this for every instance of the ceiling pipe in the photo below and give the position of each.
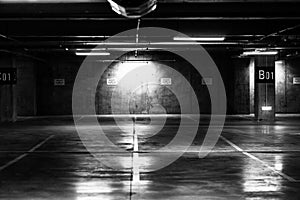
(23, 54)
(17, 52)
(279, 32)
(160, 1)
(145, 19)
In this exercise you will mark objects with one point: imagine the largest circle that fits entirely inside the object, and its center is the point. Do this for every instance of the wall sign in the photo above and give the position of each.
(59, 82)
(265, 74)
(165, 81)
(266, 108)
(296, 80)
(207, 81)
(111, 81)
(8, 76)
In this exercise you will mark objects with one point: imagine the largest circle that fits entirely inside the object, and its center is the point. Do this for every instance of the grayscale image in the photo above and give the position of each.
(149, 99)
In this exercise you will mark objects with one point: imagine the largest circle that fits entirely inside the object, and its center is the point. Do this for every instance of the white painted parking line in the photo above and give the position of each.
(80, 118)
(135, 141)
(135, 157)
(135, 181)
(258, 160)
(25, 154)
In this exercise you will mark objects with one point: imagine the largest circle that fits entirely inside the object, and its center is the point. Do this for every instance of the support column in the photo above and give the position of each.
(264, 99)
(8, 99)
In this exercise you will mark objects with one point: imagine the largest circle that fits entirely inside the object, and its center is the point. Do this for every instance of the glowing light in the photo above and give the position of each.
(93, 187)
(258, 179)
(266, 108)
(256, 53)
(132, 74)
(278, 163)
(251, 80)
(208, 39)
(147, 44)
(92, 53)
(280, 78)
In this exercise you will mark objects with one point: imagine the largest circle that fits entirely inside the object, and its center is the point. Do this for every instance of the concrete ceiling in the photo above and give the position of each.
(45, 27)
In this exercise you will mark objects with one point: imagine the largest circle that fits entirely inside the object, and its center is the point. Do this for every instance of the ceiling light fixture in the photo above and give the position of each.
(203, 39)
(257, 53)
(92, 53)
(141, 44)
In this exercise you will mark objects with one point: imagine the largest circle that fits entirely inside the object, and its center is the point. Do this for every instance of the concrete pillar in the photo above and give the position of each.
(8, 99)
(264, 99)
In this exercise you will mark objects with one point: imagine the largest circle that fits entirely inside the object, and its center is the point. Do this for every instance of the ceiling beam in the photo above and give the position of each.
(242, 10)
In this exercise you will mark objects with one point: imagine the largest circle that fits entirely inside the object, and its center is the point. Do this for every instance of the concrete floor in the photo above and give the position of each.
(44, 158)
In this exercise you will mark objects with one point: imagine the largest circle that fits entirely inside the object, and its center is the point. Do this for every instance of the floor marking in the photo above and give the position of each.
(134, 185)
(135, 141)
(25, 154)
(257, 159)
(80, 118)
(149, 151)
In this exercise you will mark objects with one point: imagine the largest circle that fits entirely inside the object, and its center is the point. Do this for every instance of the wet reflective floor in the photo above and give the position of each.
(44, 158)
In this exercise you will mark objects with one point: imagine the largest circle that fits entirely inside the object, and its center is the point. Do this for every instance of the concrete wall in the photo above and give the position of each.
(241, 95)
(8, 110)
(287, 94)
(141, 87)
(35, 92)
(57, 100)
(19, 99)
(26, 86)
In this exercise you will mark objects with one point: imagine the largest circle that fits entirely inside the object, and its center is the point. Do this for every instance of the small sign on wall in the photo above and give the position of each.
(266, 108)
(207, 81)
(59, 82)
(111, 81)
(265, 75)
(296, 80)
(165, 81)
(8, 76)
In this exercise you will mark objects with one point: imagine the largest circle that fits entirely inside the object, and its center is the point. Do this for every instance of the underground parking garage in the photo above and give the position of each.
(166, 99)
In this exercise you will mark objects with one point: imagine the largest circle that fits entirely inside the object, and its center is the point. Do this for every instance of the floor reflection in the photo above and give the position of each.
(260, 179)
(102, 189)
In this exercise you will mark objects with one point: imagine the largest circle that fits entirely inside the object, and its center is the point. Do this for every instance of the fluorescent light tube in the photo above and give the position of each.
(255, 53)
(203, 39)
(92, 53)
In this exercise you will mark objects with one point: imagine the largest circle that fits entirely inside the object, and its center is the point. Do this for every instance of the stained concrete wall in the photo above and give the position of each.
(241, 95)
(8, 110)
(26, 86)
(57, 100)
(287, 93)
(35, 92)
(19, 99)
(142, 89)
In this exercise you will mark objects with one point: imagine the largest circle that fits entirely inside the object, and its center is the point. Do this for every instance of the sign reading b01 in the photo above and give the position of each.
(265, 75)
(8, 76)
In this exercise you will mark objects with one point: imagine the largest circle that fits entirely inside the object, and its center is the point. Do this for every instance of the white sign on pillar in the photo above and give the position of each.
(296, 80)
(165, 81)
(111, 81)
(59, 82)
